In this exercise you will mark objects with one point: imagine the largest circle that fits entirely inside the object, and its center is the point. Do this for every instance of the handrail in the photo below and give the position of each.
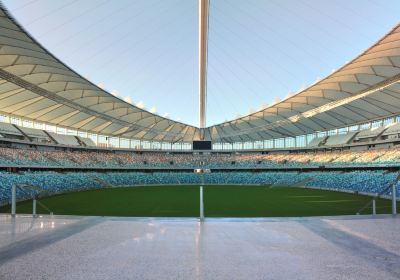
(23, 188)
(378, 195)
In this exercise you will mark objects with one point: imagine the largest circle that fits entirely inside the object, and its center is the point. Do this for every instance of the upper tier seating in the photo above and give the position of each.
(9, 129)
(36, 134)
(369, 133)
(392, 129)
(68, 140)
(87, 141)
(340, 139)
(380, 135)
(316, 142)
(119, 159)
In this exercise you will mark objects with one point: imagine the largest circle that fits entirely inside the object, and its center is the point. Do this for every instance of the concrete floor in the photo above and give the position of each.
(88, 248)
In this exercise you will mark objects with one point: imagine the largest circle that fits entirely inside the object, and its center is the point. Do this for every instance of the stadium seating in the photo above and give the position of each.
(87, 142)
(317, 141)
(166, 168)
(340, 139)
(106, 159)
(53, 182)
(28, 134)
(362, 181)
(48, 182)
(369, 134)
(393, 129)
(373, 135)
(9, 130)
(35, 134)
(68, 140)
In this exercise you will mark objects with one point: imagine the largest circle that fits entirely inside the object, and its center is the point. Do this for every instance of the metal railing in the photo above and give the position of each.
(372, 202)
(23, 188)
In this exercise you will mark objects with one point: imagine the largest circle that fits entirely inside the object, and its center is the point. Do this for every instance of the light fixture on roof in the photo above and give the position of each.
(128, 99)
(264, 105)
(290, 94)
(276, 100)
(140, 104)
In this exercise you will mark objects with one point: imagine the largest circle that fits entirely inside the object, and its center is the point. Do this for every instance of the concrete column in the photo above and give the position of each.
(13, 200)
(374, 207)
(34, 208)
(394, 200)
(201, 204)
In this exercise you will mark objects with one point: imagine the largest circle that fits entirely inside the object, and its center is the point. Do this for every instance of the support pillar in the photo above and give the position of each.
(34, 208)
(203, 44)
(394, 200)
(201, 204)
(374, 207)
(13, 200)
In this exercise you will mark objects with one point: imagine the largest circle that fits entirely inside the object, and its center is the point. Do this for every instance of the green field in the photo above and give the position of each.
(219, 201)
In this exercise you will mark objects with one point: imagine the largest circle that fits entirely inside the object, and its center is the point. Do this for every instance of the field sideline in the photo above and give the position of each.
(219, 201)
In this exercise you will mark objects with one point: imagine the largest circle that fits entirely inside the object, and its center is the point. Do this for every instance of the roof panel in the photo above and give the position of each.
(44, 70)
(41, 87)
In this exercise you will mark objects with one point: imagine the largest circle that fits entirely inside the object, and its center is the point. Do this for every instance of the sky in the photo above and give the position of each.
(260, 51)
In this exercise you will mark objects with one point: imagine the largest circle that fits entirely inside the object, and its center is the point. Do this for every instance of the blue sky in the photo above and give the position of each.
(259, 50)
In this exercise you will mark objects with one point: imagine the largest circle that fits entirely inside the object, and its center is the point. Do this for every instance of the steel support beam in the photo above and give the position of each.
(203, 43)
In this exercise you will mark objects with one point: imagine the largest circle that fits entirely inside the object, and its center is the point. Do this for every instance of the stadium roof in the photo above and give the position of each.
(364, 89)
(35, 85)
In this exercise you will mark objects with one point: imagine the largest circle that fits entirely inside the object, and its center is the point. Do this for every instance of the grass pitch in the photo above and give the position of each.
(219, 201)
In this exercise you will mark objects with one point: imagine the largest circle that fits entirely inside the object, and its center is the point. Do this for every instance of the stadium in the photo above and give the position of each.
(93, 186)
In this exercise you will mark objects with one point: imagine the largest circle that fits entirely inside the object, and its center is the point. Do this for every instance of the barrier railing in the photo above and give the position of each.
(392, 187)
(23, 188)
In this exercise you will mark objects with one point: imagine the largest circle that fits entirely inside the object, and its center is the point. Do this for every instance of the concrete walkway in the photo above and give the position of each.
(66, 247)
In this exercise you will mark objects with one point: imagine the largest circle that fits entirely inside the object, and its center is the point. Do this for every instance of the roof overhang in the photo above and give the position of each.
(35, 85)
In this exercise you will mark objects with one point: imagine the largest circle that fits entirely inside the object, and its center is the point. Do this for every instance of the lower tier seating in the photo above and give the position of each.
(51, 183)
